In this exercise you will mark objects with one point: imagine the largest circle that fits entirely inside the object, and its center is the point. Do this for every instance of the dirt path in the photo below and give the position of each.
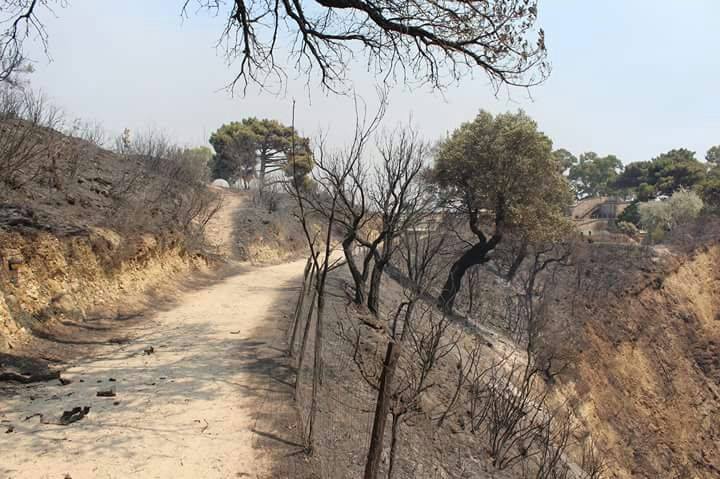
(211, 401)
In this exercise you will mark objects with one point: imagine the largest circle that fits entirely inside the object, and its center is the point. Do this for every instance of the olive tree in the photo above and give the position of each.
(659, 217)
(499, 173)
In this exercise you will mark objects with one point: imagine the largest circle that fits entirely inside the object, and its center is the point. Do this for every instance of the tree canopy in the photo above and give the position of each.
(594, 175)
(565, 159)
(198, 159)
(503, 165)
(500, 173)
(713, 155)
(663, 175)
(659, 217)
(240, 146)
(709, 189)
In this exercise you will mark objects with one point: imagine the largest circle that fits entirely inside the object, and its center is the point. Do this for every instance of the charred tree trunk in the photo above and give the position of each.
(355, 272)
(372, 467)
(517, 262)
(472, 257)
(376, 277)
(303, 346)
(375, 282)
(261, 175)
(299, 306)
(393, 443)
(382, 407)
(317, 368)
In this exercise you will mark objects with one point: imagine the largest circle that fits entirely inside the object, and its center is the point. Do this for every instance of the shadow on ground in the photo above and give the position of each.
(112, 353)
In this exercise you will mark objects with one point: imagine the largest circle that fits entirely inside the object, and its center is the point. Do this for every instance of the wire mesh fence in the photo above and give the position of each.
(346, 402)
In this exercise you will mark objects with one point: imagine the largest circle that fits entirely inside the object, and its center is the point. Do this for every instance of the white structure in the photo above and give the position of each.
(221, 183)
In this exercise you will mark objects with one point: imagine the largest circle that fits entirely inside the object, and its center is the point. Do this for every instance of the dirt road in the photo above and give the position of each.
(209, 400)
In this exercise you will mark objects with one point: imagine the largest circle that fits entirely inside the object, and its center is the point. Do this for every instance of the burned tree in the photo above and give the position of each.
(373, 209)
(400, 199)
(429, 44)
(21, 20)
(426, 42)
(346, 174)
(25, 152)
(417, 337)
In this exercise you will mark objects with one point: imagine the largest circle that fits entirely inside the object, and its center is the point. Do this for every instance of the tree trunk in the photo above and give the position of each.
(393, 443)
(372, 466)
(474, 256)
(299, 306)
(261, 176)
(375, 283)
(317, 368)
(301, 358)
(517, 262)
(382, 407)
(357, 276)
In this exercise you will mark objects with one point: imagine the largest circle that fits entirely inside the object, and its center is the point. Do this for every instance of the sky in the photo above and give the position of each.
(630, 78)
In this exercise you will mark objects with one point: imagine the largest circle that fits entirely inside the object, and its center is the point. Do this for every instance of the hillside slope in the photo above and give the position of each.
(646, 374)
(86, 232)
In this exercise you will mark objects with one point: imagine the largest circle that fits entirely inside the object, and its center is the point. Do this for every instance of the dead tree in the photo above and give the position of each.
(435, 44)
(548, 459)
(319, 242)
(21, 20)
(345, 173)
(535, 324)
(27, 148)
(467, 372)
(374, 211)
(428, 342)
(306, 331)
(592, 462)
(418, 251)
(400, 199)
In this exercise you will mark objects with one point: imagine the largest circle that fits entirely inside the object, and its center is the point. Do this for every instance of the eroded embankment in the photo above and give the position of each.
(646, 378)
(45, 277)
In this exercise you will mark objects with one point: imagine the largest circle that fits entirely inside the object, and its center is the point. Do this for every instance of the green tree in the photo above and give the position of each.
(709, 189)
(199, 159)
(677, 169)
(631, 214)
(500, 174)
(713, 156)
(659, 217)
(565, 159)
(594, 175)
(663, 175)
(243, 146)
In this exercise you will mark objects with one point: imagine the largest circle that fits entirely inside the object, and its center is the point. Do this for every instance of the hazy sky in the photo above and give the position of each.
(632, 78)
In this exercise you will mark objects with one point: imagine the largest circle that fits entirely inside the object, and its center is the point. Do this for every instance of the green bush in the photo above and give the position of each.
(630, 215)
(628, 229)
(660, 217)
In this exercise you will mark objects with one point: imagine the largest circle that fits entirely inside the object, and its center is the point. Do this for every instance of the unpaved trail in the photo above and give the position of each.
(205, 404)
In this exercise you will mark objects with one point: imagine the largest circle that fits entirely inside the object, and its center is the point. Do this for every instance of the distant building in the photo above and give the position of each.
(596, 217)
(602, 207)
